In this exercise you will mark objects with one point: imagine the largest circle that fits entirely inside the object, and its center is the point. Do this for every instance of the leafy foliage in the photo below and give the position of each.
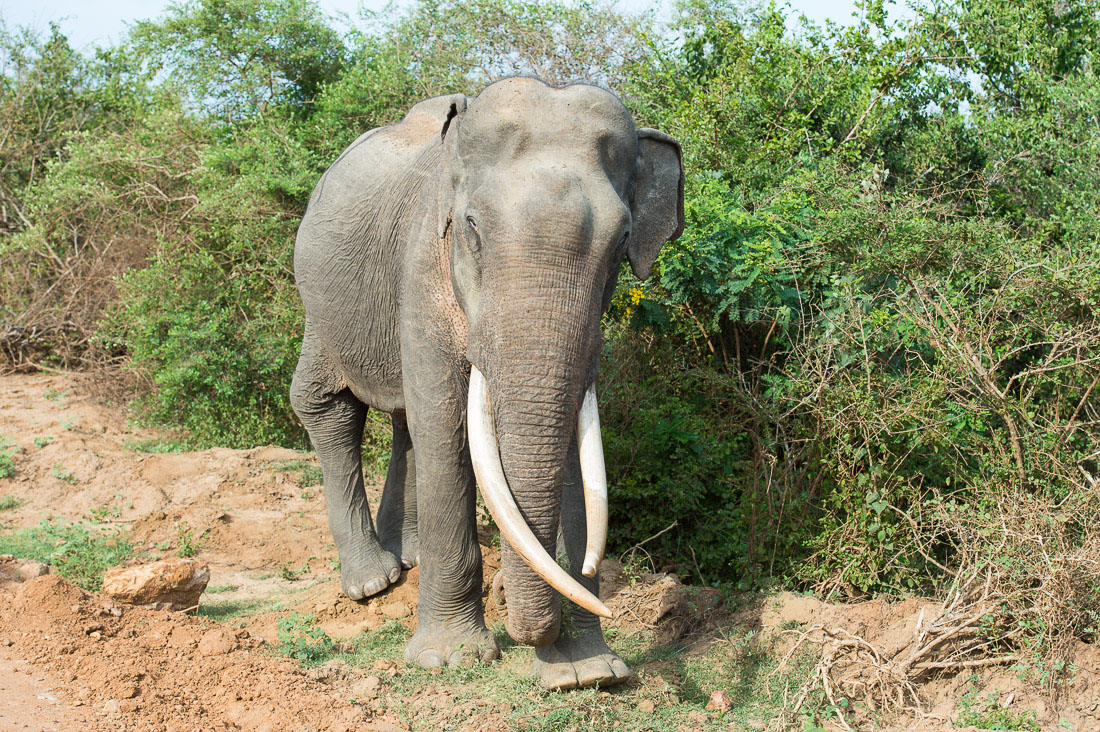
(301, 638)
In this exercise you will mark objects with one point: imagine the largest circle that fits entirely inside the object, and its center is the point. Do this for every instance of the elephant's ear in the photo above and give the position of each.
(447, 140)
(657, 208)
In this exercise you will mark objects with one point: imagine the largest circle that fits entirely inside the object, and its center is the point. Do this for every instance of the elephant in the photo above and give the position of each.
(454, 269)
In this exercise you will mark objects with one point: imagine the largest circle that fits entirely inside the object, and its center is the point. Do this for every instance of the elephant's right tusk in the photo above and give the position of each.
(485, 456)
(594, 478)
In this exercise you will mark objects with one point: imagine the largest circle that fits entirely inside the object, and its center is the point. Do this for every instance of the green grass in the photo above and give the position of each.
(9, 503)
(7, 452)
(226, 610)
(218, 589)
(79, 552)
(306, 474)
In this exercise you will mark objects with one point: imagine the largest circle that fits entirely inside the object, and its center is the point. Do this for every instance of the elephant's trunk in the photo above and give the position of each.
(538, 359)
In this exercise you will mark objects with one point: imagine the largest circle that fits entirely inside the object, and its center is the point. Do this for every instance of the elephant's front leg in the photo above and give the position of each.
(450, 619)
(580, 656)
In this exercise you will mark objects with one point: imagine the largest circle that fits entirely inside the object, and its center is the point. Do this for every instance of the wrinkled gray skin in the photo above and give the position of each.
(485, 230)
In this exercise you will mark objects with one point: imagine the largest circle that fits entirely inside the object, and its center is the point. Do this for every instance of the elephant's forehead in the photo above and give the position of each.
(518, 117)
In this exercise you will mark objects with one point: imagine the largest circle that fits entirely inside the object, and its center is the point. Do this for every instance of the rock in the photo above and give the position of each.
(29, 569)
(172, 584)
(646, 706)
(324, 674)
(111, 706)
(719, 701)
(13, 569)
(395, 610)
(217, 642)
(129, 705)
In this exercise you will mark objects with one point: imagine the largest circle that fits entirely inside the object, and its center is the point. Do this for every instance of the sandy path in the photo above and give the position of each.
(29, 701)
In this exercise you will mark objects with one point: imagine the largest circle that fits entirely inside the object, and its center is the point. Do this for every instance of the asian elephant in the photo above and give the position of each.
(454, 268)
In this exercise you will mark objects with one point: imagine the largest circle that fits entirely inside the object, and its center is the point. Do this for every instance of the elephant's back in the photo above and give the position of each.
(349, 251)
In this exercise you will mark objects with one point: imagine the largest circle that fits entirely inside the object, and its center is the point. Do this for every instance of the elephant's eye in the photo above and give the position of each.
(476, 243)
(622, 242)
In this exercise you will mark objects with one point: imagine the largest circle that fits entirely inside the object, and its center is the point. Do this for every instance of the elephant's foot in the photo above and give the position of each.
(451, 645)
(406, 545)
(365, 567)
(578, 661)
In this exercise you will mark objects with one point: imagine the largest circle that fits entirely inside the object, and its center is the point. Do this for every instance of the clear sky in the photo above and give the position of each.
(102, 22)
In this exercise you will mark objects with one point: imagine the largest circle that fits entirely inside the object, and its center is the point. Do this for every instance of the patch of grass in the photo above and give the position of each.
(62, 473)
(9, 503)
(225, 610)
(306, 474)
(677, 680)
(7, 452)
(78, 552)
(218, 589)
(41, 442)
(987, 713)
(301, 638)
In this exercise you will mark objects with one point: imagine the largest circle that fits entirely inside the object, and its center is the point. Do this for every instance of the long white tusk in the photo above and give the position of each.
(594, 478)
(485, 455)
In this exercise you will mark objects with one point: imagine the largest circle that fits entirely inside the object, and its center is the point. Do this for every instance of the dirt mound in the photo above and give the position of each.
(164, 671)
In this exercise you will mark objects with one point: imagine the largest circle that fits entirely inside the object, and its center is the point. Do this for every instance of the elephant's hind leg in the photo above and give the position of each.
(397, 511)
(335, 425)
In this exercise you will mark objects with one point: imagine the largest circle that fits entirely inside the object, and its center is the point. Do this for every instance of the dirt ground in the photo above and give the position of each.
(71, 659)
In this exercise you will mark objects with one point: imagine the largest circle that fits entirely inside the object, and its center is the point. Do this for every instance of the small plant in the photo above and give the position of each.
(9, 503)
(104, 514)
(290, 574)
(187, 544)
(57, 395)
(41, 442)
(67, 424)
(300, 638)
(7, 451)
(989, 714)
(62, 473)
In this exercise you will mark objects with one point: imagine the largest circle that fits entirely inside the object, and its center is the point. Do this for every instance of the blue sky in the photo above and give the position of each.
(101, 22)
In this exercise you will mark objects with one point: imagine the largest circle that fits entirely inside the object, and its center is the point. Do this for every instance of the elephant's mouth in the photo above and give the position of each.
(485, 455)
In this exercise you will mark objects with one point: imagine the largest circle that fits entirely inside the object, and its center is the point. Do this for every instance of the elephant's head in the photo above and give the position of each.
(543, 191)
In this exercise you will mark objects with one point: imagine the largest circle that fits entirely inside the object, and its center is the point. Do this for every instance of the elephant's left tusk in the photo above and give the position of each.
(594, 478)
